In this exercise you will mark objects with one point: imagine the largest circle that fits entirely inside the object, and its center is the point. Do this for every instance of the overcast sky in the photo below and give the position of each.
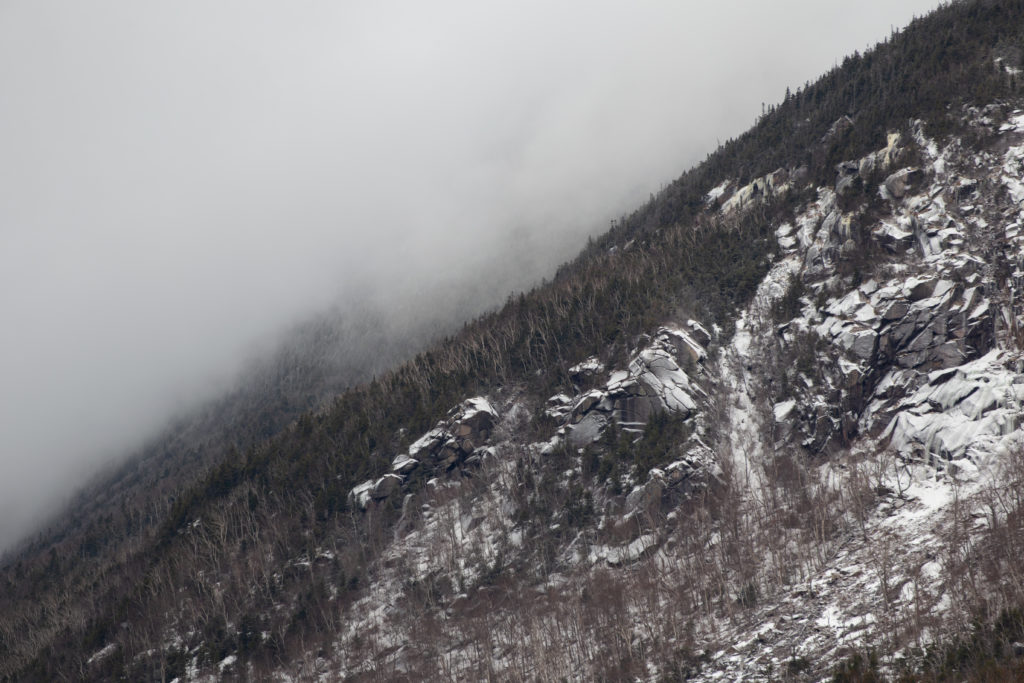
(180, 181)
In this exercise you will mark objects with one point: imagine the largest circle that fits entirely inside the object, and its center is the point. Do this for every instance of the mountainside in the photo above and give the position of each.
(767, 428)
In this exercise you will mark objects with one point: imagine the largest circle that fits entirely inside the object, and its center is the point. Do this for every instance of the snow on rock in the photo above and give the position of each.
(403, 464)
(459, 440)
(477, 417)
(916, 378)
(771, 185)
(591, 399)
(657, 371)
(428, 442)
(700, 333)
(896, 238)
(588, 430)
(784, 410)
(647, 495)
(559, 406)
(360, 495)
(897, 185)
(375, 489)
(588, 368)
(684, 344)
(655, 380)
(102, 654)
(969, 407)
(619, 555)
(716, 192)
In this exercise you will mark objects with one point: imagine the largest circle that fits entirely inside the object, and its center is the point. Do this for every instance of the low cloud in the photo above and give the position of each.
(183, 181)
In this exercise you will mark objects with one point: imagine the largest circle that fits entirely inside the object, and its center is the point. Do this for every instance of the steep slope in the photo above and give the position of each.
(768, 421)
(861, 486)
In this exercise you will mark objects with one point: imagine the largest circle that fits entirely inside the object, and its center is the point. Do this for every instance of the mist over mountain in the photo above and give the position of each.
(765, 423)
(183, 185)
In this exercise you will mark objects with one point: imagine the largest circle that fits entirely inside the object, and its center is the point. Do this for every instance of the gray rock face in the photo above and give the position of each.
(913, 325)
(587, 430)
(647, 497)
(452, 442)
(386, 486)
(899, 183)
(926, 323)
(655, 381)
(847, 172)
(918, 289)
(403, 464)
(375, 490)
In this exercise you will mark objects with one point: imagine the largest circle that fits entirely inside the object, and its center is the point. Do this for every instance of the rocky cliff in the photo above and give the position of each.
(768, 427)
(823, 464)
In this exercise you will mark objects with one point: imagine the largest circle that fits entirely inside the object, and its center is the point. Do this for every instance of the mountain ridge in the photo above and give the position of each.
(202, 598)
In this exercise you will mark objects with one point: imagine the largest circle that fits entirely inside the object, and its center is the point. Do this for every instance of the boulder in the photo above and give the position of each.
(359, 496)
(621, 383)
(899, 183)
(587, 430)
(588, 368)
(919, 289)
(386, 486)
(559, 407)
(403, 464)
(947, 355)
(449, 455)
(895, 311)
(902, 332)
(588, 401)
(684, 346)
(479, 416)
(699, 332)
(893, 237)
(428, 443)
(647, 497)
(859, 340)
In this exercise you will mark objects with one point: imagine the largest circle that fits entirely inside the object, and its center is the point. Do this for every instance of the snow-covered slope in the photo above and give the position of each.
(837, 473)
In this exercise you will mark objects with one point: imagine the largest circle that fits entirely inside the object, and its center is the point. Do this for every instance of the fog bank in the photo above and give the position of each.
(183, 181)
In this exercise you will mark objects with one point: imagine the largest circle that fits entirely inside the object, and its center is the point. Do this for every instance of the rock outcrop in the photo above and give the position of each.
(655, 380)
(459, 440)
